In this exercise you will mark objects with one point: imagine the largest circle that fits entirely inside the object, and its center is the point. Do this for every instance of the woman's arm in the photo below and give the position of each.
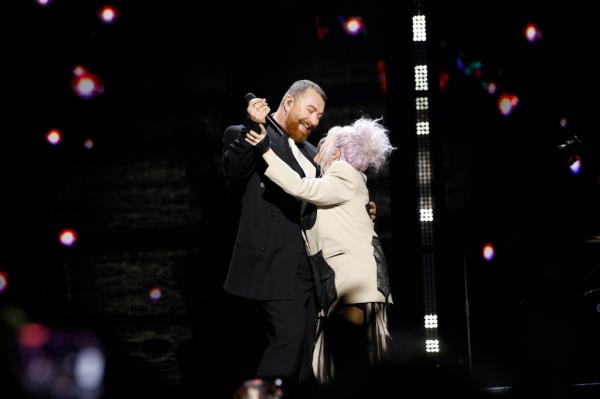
(335, 187)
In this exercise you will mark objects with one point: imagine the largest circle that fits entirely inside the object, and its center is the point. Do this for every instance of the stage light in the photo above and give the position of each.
(322, 31)
(563, 122)
(426, 215)
(507, 103)
(55, 363)
(54, 136)
(68, 237)
(422, 128)
(488, 252)
(431, 321)
(382, 76)
(419, 28)
(79, 70)
(532, 32)
(89, 369)
(85, 84)
(33, 335)
(108, 14)
(155, 294)
(572, 144)
(575, 164)
(421, 78)
(261, 388)
(432, 345)
(88, 143)
(43, 3)
(444, 79)
(491, 88)
(422, 103)
(3, 282)
(353, 26)
(424, 173)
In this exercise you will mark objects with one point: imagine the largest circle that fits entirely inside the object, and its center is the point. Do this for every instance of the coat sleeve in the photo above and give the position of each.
(238, 160)
(335, 187)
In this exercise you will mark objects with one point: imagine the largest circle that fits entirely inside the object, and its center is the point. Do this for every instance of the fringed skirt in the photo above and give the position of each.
(353, 280)
(377, 338)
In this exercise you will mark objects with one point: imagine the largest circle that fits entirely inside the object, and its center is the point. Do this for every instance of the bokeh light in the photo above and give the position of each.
(382, 76)
(353, 26)
(33, 335)
(3, 282)
(59, 363)
(507, 104)
(155, 293)
(54, 137)
(532, 32)
(488, 252)
(86, 84)
(88, 143)
(563, 122)
(89, 369)
(108, 14)
(444, 79)
(68, 237)
(322, 30)
(575, 164)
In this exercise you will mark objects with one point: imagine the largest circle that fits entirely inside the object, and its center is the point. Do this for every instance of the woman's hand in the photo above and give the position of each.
(260, 142)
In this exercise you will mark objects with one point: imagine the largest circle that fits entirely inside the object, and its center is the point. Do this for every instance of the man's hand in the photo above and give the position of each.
(257, 110)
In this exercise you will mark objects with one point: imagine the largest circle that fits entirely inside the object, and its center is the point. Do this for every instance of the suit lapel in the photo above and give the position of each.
(281, 147)
(309, 152)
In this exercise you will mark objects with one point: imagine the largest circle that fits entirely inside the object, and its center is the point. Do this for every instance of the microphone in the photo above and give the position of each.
(248, 97)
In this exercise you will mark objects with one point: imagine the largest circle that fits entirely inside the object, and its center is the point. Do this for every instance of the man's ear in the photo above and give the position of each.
(336, 154)
(288, 101)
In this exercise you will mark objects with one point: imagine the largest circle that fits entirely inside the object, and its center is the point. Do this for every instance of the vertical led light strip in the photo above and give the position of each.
(424, 179)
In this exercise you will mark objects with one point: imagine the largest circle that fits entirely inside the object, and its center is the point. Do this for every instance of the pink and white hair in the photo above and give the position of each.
(365, 145)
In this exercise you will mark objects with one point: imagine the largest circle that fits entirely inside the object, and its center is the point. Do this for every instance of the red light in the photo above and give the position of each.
(488, 252)
(85, 84)
(33, 335)
(155, 294)
(382, 76)
(3, 282)
(54, 136)
(322, 31)
(88, 143)
(68, 237)
(353, 26)
(444, 78)
(108, 14)
(507, 103)
(532, 32)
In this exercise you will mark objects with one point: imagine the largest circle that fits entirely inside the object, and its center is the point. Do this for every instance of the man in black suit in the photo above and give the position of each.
(269, 263)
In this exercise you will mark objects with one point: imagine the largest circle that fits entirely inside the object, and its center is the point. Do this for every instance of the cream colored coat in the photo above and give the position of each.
(343, 229)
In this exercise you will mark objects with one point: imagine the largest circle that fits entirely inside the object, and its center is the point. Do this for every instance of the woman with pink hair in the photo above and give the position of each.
(346, 256)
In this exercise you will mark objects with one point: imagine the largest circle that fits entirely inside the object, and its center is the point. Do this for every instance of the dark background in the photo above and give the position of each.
(151, 208)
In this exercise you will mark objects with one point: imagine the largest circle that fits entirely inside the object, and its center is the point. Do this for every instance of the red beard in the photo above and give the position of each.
(295, 128)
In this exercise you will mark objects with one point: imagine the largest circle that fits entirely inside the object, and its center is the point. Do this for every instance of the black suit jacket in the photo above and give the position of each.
(269, 243)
